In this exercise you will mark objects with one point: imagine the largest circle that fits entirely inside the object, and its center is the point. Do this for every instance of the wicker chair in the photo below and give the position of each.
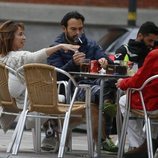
(41, 83)
(141, 114)
(10, 110)
(6, 100)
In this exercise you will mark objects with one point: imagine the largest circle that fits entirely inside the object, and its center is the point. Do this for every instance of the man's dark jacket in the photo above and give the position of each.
(137, 49)
(64, 60)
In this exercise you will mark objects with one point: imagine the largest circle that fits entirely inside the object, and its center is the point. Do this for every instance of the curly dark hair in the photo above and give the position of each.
(148, 28)
(70, 15)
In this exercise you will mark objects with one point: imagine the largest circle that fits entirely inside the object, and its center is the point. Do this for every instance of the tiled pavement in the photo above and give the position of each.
(79, 143)
(79, 146)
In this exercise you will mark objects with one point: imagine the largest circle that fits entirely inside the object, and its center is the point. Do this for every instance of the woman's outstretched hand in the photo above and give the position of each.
(71, 47)
(65, 47)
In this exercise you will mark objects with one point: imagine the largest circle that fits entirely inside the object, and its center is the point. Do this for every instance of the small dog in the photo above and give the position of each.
(51, 128)
(51, 142)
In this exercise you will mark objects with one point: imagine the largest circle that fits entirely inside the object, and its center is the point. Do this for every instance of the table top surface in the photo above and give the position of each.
(96, 75)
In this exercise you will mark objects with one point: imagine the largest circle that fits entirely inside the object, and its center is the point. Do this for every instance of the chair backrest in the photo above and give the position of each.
(5, 99)
(41, 83)
(152, 82)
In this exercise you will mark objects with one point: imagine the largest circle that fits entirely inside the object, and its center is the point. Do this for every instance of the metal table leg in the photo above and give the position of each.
(118, 116)
(100, 117)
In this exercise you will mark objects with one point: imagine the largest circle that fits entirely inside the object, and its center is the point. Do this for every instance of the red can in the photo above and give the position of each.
(95, 66)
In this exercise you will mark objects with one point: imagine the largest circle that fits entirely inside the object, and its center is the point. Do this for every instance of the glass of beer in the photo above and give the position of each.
(85, 65)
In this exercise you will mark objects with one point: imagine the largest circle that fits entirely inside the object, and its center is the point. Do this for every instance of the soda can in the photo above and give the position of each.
(95, 66)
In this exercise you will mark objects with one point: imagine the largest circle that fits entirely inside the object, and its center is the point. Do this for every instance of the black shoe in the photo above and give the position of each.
(136, 155)
(141, 152)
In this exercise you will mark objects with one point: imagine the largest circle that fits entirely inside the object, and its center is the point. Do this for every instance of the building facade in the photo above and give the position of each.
(101, 3)
(42, 17)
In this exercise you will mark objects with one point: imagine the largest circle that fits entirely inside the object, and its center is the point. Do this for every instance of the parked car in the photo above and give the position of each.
(115, 36)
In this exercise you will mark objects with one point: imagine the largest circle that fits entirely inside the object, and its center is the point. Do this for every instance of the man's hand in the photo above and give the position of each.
(118, 83)
(78, 57)
(103, 62)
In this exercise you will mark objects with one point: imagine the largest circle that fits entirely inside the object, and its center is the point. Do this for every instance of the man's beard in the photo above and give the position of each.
(75, 39)
(70, 40)
(149, 48)
(78, 40)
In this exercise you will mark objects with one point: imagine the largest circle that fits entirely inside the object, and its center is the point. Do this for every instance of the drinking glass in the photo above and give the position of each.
(85, 65)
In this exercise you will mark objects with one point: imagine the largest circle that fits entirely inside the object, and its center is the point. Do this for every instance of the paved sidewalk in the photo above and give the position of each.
(79, 146)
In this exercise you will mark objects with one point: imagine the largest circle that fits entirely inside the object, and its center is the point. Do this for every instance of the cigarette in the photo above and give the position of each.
(80, 40)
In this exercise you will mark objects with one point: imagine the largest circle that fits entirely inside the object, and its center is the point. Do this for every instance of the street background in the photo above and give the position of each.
(42, 21)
